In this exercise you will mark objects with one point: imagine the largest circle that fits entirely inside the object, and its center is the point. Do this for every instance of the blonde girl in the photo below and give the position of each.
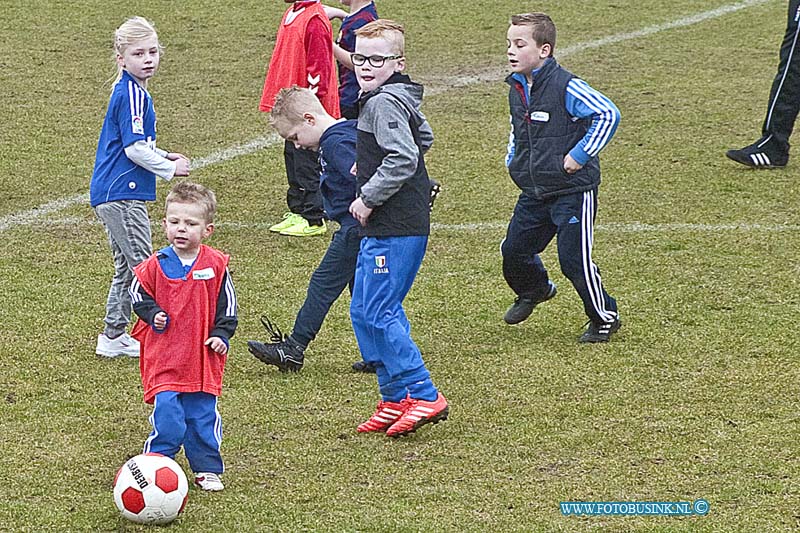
(126, 164)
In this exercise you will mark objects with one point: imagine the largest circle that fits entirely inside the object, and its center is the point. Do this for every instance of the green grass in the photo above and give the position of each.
(697, 396)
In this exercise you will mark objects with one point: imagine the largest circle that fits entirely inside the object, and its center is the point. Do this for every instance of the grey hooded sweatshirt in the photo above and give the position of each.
(393, 135)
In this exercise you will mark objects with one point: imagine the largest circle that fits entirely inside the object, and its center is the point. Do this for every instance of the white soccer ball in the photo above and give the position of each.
(150, 489)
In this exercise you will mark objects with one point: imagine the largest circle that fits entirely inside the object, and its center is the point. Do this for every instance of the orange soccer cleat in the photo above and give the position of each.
(417, 413)
(386, 415)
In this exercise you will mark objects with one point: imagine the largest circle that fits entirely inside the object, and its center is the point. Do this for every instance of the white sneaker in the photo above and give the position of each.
(208, 481)
(122, 345)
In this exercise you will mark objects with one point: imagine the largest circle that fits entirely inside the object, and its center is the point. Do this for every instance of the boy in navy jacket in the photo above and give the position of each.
(559, 125)
(299, 117)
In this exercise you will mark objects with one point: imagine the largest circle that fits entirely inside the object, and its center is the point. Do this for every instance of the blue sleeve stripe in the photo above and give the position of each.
(605, 115)
(599, 108)
(136, 97)
(130, 98)
(603, 119)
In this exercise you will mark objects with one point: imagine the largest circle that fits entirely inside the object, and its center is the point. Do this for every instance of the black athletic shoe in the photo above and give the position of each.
(600, 332)
(523, 307)
(436, 188)
(363, 366)
(764, 153)
(281, 350)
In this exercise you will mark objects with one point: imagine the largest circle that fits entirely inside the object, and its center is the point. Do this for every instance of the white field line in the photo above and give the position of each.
(44, 210)
(492, 74)
(611, 227)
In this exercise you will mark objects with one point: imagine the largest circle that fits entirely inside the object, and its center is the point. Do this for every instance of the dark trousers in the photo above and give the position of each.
(334, 273)
(303, 171)
(784, 97)
(532, 227)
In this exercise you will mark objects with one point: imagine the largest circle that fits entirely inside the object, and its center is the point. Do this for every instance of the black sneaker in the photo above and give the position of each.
(600, 332)
(523, 307)
(436, 188)
(363, 366)
(764, 153)
(281, 350)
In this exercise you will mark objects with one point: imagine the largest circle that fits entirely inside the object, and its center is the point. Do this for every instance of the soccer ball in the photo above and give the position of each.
(150, 489)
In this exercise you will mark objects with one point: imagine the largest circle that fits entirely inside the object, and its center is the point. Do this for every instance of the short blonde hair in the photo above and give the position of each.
(391, 31)
(291, 103)
(187, 192)
(131, 31)
(543, 29)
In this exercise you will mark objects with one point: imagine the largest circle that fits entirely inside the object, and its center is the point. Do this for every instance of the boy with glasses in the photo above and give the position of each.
(393, 207)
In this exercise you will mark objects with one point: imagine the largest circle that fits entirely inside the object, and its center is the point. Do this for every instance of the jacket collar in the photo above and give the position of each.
(540, 73)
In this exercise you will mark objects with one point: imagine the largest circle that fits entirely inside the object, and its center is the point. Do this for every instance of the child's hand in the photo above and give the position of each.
(217, 344)
(160, 321)
(360, 211)
(181, 163)
(570, 165)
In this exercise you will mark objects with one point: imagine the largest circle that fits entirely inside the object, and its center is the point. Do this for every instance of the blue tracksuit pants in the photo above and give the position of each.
(532, 227)
(191, 420)
(385, 271)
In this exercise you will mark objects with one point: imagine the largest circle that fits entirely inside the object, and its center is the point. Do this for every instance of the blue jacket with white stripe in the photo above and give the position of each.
(559, 115)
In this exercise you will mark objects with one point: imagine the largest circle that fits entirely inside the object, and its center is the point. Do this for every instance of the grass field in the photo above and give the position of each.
(697, 396)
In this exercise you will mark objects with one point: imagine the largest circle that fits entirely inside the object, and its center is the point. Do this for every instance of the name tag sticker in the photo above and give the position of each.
(206, 273)
(540, 116)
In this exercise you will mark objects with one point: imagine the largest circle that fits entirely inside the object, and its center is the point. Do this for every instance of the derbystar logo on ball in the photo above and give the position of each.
(151, 489)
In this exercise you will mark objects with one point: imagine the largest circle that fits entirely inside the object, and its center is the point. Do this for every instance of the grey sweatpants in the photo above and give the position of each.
(128, 229)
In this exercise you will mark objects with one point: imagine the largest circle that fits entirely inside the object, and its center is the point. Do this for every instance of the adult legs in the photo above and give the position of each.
(784, 96)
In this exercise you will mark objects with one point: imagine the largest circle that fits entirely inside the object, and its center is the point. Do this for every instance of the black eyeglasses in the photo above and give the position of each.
(375, 61)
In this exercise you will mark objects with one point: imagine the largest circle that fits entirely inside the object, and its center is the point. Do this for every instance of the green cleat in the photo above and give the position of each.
(289, 220)
(304, 229)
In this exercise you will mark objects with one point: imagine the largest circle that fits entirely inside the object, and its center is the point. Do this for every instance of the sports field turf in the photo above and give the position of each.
(695, 398)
